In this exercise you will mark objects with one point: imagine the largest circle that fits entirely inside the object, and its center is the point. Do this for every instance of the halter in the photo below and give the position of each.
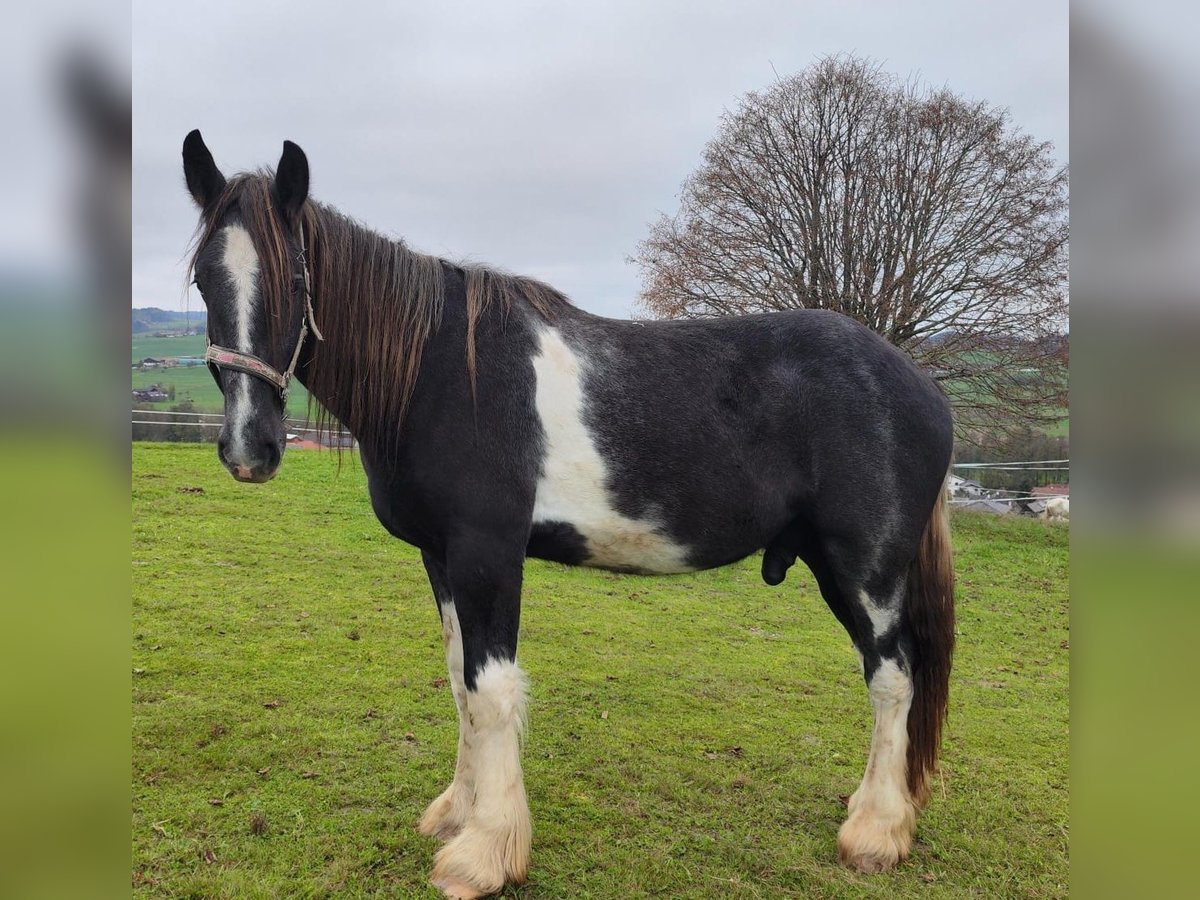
(224, 358)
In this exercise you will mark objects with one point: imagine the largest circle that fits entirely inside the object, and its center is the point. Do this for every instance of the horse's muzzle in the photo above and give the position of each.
(261, 467)
(253, 476)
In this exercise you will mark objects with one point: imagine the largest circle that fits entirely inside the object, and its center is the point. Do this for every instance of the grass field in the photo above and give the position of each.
(184, 345)
(193, 382)
(689, 737)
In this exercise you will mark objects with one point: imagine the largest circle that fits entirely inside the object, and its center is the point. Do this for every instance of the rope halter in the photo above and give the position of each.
(224, 358)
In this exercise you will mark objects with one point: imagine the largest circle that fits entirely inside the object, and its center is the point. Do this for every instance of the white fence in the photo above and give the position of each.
(215, 420)
(1002, 495)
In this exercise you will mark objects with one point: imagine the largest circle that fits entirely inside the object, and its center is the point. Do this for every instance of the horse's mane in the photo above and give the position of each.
(376, 301)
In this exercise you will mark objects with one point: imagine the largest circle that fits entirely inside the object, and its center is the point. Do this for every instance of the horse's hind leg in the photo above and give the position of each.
(882, 813)
(894, 592)
(491, 847)
(448, 813)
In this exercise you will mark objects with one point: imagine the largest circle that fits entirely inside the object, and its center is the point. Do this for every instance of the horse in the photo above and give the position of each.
(1058, 509)
(496, 421)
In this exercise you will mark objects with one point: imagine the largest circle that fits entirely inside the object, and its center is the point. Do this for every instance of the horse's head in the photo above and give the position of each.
(250, 269)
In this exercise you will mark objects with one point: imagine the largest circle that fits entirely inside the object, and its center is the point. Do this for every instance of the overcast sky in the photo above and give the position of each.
(539, 137)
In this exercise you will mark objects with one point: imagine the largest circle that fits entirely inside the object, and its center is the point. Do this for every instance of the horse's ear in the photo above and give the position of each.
(204, 179)
(291, 179)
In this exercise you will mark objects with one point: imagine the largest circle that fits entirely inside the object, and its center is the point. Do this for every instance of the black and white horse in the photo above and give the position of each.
(496, 421)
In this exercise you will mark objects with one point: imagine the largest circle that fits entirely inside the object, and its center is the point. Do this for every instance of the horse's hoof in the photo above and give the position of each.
(479, 861)
(869, 862)
(873, 844)
(453, 889)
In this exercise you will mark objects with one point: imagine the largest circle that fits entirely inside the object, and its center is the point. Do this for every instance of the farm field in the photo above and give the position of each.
(193, 382)
(689, 736)
(144, 345)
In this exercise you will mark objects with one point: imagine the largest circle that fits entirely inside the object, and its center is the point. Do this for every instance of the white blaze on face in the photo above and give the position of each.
(573, 483)
(241, 265)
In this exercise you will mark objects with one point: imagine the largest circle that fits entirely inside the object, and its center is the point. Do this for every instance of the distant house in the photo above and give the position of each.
(1034, 507)
(300, 443)
(961, 488)
(152, 362)
(337, 440)
(313, 439)
(152, 394)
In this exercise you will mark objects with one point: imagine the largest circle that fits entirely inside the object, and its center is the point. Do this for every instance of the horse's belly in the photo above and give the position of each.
(580, 527)
(631, 546)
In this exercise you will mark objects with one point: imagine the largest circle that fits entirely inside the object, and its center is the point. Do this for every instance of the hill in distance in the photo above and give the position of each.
(152, 319)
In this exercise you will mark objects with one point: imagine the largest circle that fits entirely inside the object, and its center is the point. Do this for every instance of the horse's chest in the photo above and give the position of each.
(573, 486)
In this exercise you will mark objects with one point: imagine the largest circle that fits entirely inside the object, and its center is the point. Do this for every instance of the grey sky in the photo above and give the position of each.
(540, 137)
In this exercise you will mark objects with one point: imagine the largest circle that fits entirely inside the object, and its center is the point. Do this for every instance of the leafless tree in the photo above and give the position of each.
(927, 217)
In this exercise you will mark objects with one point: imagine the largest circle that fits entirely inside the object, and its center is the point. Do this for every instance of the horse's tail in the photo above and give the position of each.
(930, 619)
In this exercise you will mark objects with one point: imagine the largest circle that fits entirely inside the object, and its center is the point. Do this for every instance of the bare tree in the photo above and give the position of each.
(925, 216)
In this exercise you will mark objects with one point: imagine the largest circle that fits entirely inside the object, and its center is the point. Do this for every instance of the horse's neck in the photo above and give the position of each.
(352, 402)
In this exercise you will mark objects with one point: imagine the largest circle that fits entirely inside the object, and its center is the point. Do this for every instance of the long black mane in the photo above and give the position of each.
(377, 301)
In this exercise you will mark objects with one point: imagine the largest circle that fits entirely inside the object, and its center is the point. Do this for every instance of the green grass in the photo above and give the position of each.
(287, 659)
(184, 345)
(193, 382)
(1061, 428)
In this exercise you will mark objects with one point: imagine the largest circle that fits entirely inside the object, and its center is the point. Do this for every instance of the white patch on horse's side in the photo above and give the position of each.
(449, 812)
(883, 618)
(241, 264)
(493, 846)
(573, 483)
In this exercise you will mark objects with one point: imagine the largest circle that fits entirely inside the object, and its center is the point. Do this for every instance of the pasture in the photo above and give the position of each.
(691, 736)
(144, 345)
(194, 382)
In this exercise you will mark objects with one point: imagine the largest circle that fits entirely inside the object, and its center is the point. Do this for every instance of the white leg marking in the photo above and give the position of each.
(878, 832)
(447, 814)
(573, 484)
(493, 847)
(241, 264)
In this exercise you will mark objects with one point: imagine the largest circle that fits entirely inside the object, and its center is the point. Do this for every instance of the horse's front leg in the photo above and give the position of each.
(491, 834)
(447, 814)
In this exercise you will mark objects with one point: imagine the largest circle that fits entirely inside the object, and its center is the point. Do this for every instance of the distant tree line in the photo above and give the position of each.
(1018, 444)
